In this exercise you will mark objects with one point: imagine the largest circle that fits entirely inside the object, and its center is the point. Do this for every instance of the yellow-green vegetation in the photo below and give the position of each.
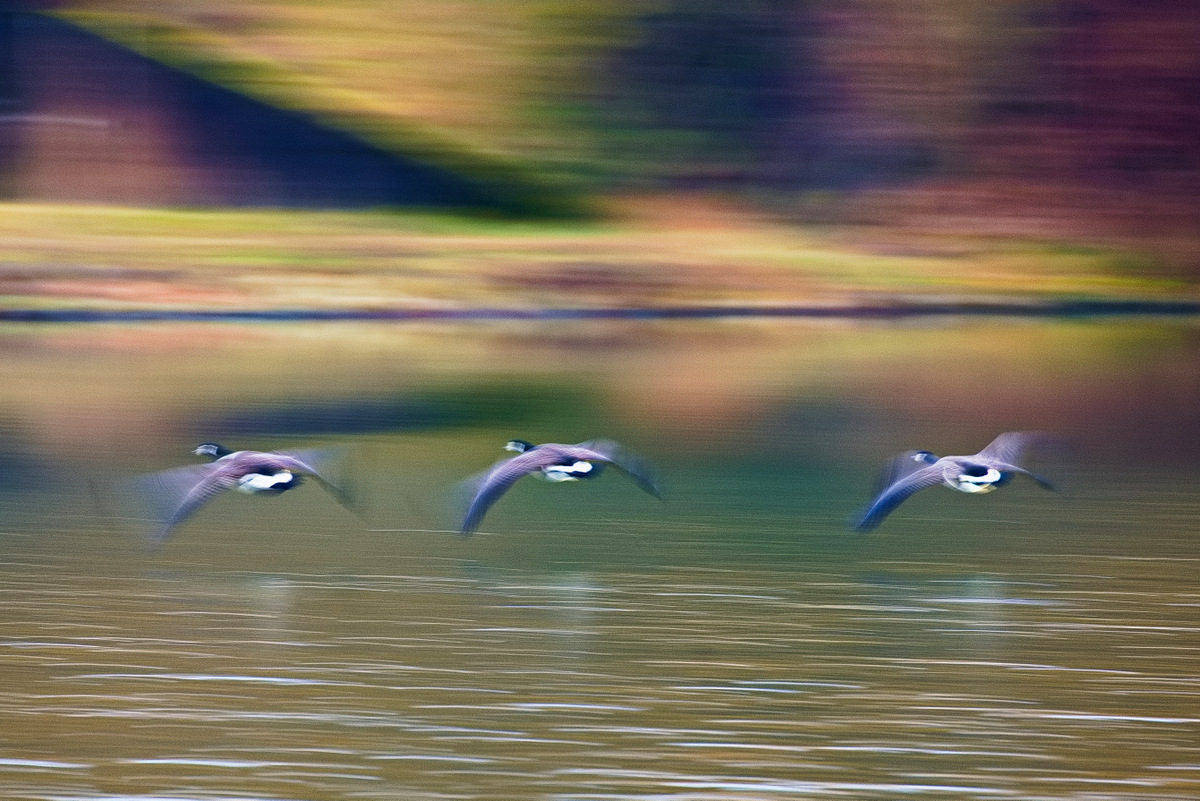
(72, 256)
(535, 99)
(486, 70)
(467, 72)
(513, 177)
(453, 63)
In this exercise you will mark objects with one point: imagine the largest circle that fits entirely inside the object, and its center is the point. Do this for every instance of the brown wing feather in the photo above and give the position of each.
(896, 494)
(317, 463)
(638, 469)
(1011, 446)
(175, 495)
(1012, 468)
(496, 481)
(902, 466)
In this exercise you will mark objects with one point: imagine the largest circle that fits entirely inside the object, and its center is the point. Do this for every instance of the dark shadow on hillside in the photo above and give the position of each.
(85, 119)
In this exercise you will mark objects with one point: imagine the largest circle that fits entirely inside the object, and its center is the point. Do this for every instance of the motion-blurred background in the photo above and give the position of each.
(529, 155)
(417, 229)
(1070, 118)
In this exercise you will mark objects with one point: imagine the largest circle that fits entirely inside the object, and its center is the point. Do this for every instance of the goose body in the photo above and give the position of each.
(175, 495)
(552, 462)
(978, 474)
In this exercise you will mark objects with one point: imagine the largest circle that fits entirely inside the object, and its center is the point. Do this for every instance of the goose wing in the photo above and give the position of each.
(318, 463)
(896, 494)
(902, 466)
(172, 496)
(1006, 450)
(1010, 446)
(604, 450)
(1008, 467)
(487, 487)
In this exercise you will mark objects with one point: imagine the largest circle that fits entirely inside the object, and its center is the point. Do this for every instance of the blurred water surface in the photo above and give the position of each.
(735, 642)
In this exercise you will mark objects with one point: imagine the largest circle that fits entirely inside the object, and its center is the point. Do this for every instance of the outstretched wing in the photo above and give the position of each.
(1008, 467)
(1008, 451)
(172, 496)
(1011, 446)
(896, 494)
(320, 464)
(901, 467)
(499, 479)
(605, 450)
(487, 487)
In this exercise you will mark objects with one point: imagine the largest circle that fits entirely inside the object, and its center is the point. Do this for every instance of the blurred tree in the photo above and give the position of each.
(782, 95)
(696, 94)
(1094, 92)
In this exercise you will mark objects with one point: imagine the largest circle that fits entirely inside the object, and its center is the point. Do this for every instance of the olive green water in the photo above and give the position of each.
(734, 642)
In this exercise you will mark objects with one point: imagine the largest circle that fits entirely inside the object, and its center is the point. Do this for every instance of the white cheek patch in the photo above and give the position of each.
(257, 482)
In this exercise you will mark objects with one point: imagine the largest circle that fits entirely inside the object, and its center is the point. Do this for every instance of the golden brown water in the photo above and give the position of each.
(735, 642)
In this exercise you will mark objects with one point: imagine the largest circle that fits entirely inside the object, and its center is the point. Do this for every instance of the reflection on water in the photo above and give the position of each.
(734, 643)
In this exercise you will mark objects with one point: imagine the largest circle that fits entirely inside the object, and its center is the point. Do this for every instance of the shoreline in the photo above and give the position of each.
(73, 263)
(1018, 308)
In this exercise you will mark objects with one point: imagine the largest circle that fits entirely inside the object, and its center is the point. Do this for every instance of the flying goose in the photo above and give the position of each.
(552, 462)
(912, 471)
(175, 495)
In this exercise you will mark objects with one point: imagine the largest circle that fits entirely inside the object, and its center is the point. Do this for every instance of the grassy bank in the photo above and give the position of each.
(94, 257)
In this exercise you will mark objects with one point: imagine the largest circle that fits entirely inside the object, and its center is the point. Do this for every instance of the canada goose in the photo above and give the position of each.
(912, 471)
(175, 495)
(551, 462)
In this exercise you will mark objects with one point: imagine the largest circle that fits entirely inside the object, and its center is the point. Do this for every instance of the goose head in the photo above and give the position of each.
(212, 450)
